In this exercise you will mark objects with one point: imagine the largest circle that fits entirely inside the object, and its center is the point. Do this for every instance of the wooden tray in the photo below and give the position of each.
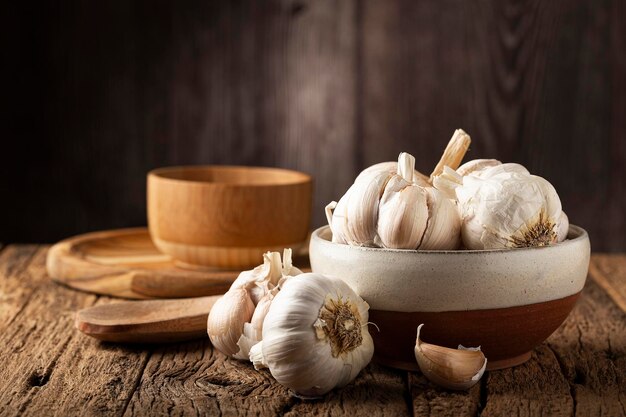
(125, 263)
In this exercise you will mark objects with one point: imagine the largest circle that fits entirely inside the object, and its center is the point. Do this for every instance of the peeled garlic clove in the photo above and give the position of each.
(562, 227)
(457, 369)
(443, 230)
(476, 165)
(227, 318)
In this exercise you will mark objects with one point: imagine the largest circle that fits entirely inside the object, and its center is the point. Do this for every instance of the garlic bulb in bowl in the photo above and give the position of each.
(504, 206)
(399, 209)
(315, 335)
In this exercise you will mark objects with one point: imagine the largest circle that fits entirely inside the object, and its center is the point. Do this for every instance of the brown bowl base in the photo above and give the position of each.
(505, 335)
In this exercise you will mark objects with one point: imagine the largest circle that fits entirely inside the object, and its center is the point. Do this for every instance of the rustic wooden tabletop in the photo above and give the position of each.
(48, 368)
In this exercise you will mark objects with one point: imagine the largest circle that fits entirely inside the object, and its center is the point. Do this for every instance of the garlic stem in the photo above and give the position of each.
(454, 153)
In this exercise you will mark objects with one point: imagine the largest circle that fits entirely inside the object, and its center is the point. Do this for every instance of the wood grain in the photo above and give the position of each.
(50, 368)
(147, 321)
(107, 91)
(125, 263)
(609, 271)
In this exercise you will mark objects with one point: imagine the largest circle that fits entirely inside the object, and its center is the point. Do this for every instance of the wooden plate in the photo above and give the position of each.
(125, 263)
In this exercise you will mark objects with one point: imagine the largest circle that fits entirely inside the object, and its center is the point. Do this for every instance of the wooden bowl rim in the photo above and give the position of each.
(574, 234)
(295, 177)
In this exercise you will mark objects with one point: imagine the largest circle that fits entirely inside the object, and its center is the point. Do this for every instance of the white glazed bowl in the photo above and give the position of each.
(507, 301)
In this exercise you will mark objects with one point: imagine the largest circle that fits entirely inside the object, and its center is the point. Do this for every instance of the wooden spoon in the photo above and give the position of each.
(151, 321)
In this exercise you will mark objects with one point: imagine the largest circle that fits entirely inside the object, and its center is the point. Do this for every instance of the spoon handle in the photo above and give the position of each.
(151, 321)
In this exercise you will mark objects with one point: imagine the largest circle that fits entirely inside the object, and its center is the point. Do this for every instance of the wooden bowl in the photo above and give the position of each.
(227, 216)
(506, 301)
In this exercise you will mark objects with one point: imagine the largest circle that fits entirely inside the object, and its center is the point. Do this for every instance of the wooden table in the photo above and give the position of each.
(48, 368)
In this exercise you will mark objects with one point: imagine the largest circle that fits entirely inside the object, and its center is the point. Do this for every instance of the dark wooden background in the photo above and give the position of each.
(97, 93)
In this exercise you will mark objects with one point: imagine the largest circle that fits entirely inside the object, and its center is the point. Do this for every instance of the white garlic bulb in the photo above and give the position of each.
(315, 335)
(503, 206)
(234, 324)
(392, 210)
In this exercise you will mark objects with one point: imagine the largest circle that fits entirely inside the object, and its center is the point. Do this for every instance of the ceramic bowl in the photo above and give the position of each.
(227, 216)
(506, 301)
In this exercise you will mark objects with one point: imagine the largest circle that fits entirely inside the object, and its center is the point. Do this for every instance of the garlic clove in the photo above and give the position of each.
(361, 212)
(457, 369)
(476, 165)
(391, 167)
(403, 215)
(252, 331)
(443, 230)
(226, 320)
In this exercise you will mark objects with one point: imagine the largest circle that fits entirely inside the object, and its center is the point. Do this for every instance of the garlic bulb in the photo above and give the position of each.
(315, 335)
(233, 324)
(504, 206)
(399, 210)
(456, 369)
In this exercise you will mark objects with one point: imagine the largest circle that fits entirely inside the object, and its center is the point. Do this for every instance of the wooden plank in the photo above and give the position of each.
(590, 348)
(52, 368)
(609, 271)
(535, 388)
(15, 287)
(193, 378)
(430, 400)
(377, 391)
(578, 371)
(530, 82)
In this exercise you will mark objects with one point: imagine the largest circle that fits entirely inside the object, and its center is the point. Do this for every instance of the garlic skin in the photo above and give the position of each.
(562, 227)
(443, 230)
(476, 165)
(315, 335)
(227, 318)
(234, 324)
(403, 209)
(456, 369)
(504, 206)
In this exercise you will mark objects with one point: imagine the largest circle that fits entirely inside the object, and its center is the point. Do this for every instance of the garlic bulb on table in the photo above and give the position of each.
(504, 206)
(315, 335)
(234, 324)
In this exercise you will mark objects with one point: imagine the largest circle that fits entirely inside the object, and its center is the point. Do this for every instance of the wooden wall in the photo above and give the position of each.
(98, 93)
